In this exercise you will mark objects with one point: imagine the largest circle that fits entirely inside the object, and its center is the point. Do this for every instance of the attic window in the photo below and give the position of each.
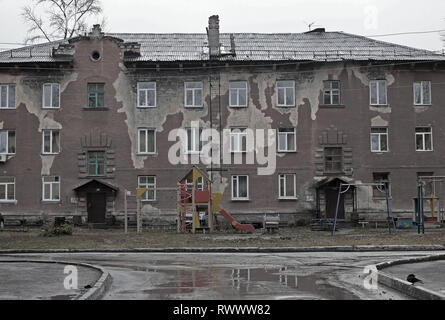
(95, 55)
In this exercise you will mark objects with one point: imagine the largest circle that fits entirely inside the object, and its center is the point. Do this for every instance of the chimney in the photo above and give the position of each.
(213, 36)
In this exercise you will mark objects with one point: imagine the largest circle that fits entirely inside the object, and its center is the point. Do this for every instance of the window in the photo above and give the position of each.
(238, 94)
(199, 184)
(51, 188)
(331, 92)
(286, 93)
(96, 163)
(150, 183)
(194, 143)
(428, 187)
(7, 142)
(96, 95)
(287, 186)
(238, 140)
(333, 159)
(422, 93)
(7, 189)
(51, 95)
(7, 96)
(147, 141)
(424, 139)
(379, 191)
(51, 142)
(287, 141)
(193, 94)
(379, 139)
(240, 187)
(147, 94)
(379, 90)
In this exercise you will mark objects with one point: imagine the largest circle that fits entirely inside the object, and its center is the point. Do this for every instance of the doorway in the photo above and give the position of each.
(331, 194)
(96, 207)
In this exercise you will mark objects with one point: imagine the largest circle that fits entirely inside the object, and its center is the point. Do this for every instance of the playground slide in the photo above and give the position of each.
(236, 224)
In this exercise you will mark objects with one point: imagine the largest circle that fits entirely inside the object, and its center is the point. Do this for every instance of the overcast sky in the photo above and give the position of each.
(364, 17)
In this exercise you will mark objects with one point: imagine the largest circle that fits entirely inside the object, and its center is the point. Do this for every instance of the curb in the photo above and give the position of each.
(237, 250)
(95, 293)
(406, 287)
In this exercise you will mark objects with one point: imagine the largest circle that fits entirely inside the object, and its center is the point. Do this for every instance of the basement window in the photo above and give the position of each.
(7, 142)
(7, 96)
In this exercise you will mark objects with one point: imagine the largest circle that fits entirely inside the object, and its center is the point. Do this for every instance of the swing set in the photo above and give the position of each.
(381, 187)
(423, 194)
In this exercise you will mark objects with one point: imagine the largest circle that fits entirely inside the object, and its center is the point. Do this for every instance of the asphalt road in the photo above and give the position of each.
(224, 276)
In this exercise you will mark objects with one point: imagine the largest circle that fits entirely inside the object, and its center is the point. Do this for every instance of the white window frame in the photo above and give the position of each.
(294, 133)
(378, 82)
(238, 198)
(51, 96)
(196, 134)
(146, 140)
(51, 188)
(285, 93)
(146, 94)
(422, 98)
(7, 184)
(51, 137)
(148, 185)
(283, 176)
(7, 142)
(8, 85)
(423, 139)
(193, 90)
(232, 103)
(239, 137)
(379, 134)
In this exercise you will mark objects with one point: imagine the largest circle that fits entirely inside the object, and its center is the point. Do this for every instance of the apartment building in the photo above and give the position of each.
(85, 120)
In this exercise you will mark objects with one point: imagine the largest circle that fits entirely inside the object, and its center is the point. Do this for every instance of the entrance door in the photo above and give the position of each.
(96, 203)
(331, 203)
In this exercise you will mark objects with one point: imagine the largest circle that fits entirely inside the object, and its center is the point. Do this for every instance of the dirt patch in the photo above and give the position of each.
(286, 237)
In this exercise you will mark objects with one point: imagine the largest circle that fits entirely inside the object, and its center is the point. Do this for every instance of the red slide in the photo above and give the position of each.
(236, 224)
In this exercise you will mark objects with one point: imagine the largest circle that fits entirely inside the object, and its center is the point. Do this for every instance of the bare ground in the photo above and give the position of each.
(286, 237)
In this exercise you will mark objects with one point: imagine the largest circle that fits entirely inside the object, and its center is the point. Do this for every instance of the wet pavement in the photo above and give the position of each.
(41, 281)
(431, 273)
(224, 276)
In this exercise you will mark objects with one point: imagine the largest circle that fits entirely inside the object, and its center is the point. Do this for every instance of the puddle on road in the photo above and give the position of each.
(228, 283)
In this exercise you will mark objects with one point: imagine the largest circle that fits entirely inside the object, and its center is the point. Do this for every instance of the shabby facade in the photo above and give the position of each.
(85, 119)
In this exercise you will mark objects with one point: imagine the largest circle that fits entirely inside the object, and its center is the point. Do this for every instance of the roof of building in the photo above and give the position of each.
(310, 46)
